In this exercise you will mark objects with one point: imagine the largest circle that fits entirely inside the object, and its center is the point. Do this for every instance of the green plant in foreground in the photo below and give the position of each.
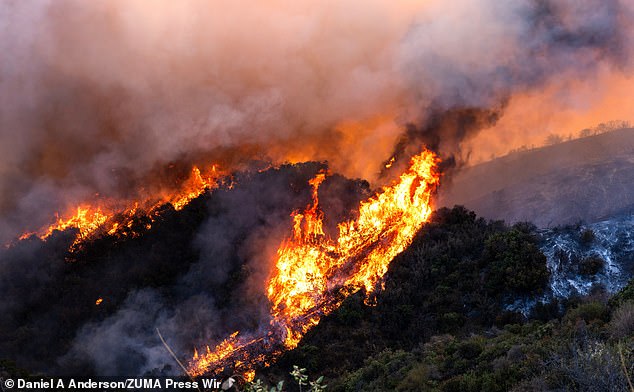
(300, 377)
(258, 386)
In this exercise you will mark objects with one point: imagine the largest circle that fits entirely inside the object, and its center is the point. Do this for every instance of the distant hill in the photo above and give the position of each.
(585, 179)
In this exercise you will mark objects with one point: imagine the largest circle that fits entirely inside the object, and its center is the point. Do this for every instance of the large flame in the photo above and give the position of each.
(314, 273)
(118, 218)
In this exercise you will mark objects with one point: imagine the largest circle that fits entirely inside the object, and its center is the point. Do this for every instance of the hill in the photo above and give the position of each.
(441, 323)
(585, 179)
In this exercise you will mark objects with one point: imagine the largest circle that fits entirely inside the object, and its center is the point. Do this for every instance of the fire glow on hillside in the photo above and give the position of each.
(313, 273)
(107, 216)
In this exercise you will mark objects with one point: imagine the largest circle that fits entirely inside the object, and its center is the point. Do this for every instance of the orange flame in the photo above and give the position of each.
(313, 273)
(107, 216)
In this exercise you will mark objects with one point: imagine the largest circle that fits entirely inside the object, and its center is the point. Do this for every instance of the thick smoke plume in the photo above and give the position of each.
(97, 97)
(112, 97)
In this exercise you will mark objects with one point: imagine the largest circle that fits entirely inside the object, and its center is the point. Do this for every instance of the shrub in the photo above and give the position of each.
(470, 349)
(622, 323)
(592, 366)
(382, 372)
(415, 380)
(588, 312)
(451, 321)
(591, 265)
(626, 294)
(587, 236)
(545, 311)
(514, 263)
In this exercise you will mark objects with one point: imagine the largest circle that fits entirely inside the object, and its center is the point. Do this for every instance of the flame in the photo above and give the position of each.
(108, 217)
(98, 301)
(314, 273)
(87, 219)
(249, 375)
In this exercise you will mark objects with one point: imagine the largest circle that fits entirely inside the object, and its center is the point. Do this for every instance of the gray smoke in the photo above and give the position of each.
(96, 97)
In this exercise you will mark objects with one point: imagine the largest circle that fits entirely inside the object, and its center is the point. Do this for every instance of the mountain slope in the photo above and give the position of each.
(441, 323)
(586, 179)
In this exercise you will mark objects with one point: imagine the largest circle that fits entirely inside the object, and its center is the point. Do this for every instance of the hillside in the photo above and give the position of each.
(441, 323)
(443, 320)
(586, 179)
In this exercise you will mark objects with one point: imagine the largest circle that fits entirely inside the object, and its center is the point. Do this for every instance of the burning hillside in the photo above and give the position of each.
(306, 278)
(228, 175)
(312, 273)
(119, 217)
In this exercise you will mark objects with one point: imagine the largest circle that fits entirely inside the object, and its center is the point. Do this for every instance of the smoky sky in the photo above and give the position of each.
(96, 96)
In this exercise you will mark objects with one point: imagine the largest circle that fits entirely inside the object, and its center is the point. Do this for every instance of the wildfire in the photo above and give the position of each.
(109, 217)
(314, 273)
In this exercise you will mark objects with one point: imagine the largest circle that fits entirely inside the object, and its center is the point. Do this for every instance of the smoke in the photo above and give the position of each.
(488, 55)
(96, 96)
(105, 97)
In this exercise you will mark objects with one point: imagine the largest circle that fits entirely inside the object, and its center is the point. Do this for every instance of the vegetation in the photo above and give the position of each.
(552, 139)
(605, 127)
(299, 376)
(442, 322)
(589, 348)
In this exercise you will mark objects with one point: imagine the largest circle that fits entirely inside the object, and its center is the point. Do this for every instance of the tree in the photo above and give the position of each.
(553, 139)
(585, 132)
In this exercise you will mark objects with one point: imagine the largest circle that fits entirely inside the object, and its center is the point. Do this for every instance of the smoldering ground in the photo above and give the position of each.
(99, 97)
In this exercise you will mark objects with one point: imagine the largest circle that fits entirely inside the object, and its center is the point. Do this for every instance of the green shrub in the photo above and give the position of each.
(470, 349)
(588, 312)
(514, 264)
(624, 295)
(416, 379)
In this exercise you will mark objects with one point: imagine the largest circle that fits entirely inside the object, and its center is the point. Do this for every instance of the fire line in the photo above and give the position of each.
(106, 216)
(313, 273)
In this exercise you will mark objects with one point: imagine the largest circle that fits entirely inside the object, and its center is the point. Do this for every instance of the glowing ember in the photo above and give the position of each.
(98, 301)
(313, 273)
(86, 220)
(249, 375)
